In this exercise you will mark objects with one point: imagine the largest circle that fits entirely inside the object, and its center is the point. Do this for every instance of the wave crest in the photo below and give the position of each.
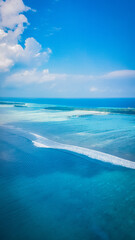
(104, 157)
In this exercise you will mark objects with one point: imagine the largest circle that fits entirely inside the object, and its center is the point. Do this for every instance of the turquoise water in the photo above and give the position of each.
(50, 192)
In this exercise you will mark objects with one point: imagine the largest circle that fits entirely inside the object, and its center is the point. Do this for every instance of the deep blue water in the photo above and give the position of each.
(53, 193)
(82, 102)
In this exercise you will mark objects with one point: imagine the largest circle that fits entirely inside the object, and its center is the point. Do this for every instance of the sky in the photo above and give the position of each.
(68, 49)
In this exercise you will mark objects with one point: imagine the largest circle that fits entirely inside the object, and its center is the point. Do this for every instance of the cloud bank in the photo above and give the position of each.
(25, 77)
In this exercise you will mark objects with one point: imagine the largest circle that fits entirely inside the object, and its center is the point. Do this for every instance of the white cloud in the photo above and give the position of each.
(12, 20)
(12, 24)
(2, 34)
(32, 76)
(11, 13)
(120, 74)
(24, 77)
(8, 55)
(99, 89)
(93, 89)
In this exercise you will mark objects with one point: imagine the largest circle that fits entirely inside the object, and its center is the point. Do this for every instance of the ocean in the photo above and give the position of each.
(67, 169)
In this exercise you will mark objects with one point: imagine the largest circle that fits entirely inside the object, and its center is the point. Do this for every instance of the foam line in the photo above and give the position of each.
(104, 157)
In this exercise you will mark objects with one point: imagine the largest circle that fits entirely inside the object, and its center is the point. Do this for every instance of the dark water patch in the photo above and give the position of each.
(60, 108)
(14, 104)
(118, 110)
(7, 103)
(20, 105)
(127, 111)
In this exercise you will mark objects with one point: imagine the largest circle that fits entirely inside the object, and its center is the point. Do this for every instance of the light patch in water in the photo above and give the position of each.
(44, 115)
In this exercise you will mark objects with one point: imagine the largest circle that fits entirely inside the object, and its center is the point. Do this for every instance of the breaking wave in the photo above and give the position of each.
(43, 142)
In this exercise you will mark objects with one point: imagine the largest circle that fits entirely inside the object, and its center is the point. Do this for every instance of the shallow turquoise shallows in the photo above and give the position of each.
(67, 169)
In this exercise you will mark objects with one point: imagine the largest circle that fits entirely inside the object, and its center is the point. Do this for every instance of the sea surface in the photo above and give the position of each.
(67, 169)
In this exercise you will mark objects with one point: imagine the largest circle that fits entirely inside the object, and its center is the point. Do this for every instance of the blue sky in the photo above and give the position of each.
(59, 48)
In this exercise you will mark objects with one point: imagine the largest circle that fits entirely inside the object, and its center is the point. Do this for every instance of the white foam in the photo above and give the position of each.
(46, 143)
(41, 145)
